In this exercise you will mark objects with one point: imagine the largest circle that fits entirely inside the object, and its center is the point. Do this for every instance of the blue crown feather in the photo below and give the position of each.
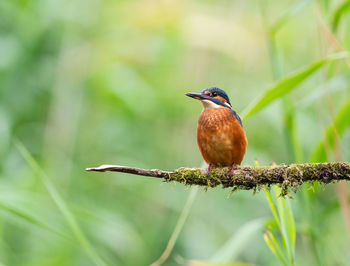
(223, 94)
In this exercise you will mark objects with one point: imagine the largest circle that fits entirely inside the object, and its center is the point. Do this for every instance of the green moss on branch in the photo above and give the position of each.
(247, 177)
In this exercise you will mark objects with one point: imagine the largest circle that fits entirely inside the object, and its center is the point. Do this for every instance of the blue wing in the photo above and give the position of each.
(237, 117)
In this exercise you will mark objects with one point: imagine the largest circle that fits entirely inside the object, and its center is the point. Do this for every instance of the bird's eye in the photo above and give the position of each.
(214, 94)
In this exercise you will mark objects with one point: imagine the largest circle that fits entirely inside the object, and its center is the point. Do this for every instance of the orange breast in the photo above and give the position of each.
(220, 137)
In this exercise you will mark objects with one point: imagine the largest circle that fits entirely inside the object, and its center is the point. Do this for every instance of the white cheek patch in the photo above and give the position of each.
(209, 104)
(227, 104)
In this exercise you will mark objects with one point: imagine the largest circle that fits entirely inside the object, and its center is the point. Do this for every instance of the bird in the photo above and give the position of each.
(220, 135)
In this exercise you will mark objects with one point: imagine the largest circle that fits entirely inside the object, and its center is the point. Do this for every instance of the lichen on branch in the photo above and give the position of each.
(246, 177)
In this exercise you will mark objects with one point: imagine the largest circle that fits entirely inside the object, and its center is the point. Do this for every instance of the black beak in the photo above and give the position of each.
(198, 96)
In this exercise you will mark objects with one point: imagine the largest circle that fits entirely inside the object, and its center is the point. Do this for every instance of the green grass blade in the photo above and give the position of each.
(290, 223)
(272, 207)
(341, 123)
(338, 14)
(283, 216)
(178, 228)
(294, 9)
(288, 84)
(232, 248)
(282, 223)
(287, 226)
(62, 206)
(272, 243)
(30, 218)
(293, 140)
(204, 263)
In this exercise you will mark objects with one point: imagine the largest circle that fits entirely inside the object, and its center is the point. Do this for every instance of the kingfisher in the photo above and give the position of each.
(220, 135)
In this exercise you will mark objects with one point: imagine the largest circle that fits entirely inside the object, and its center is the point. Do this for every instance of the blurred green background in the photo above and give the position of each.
(90, 82)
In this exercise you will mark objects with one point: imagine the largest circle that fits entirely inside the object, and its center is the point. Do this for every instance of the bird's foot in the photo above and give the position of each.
(232, 170)
(209, 169)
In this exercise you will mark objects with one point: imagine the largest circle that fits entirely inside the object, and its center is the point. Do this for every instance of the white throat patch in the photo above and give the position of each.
(227, 105)
(209, 104)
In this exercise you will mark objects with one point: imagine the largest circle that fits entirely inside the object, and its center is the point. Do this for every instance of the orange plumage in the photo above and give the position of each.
(220, 137)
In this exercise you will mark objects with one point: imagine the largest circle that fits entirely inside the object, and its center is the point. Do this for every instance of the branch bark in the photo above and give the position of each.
(246, 177)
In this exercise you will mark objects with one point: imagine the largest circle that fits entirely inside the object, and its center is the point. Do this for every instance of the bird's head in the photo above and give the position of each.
(212, 98)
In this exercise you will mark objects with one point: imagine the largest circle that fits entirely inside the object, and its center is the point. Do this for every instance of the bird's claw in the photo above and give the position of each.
(209, 169)
(232, 171)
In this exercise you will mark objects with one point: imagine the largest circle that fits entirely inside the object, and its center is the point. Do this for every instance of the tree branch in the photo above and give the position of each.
(246, 177)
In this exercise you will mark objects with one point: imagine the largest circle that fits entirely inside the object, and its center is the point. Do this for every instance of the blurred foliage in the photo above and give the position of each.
(89, 82)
